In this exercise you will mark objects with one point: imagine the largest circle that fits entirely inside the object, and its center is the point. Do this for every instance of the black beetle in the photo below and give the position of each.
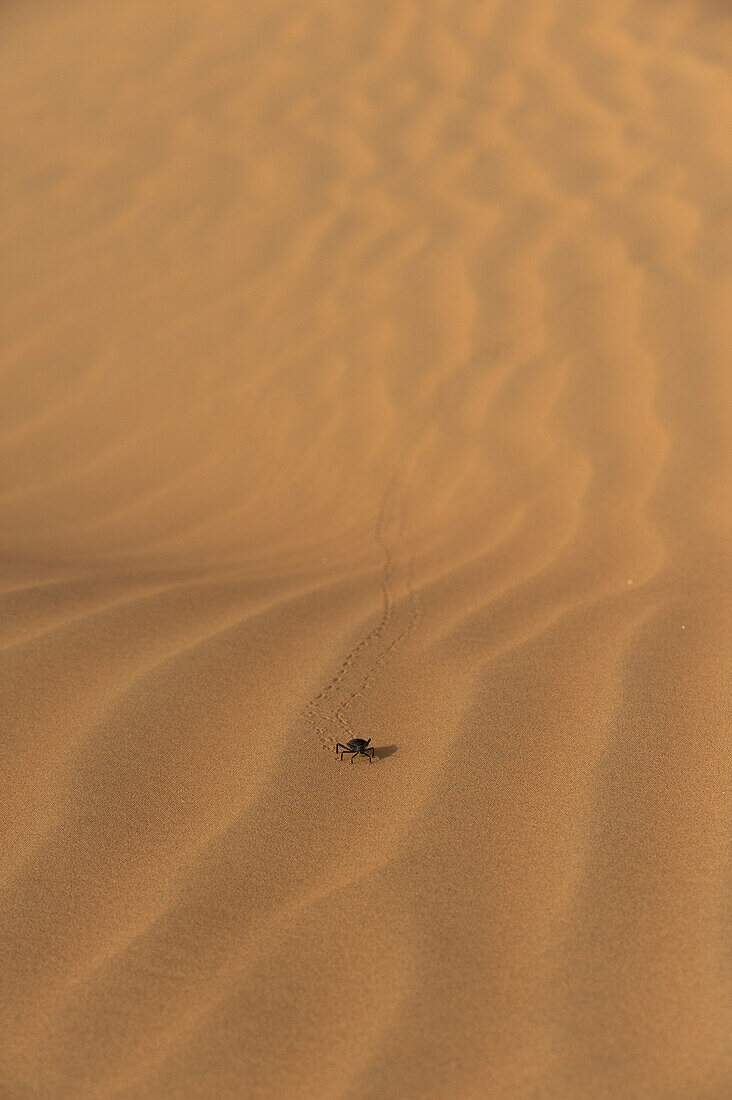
(358, 747)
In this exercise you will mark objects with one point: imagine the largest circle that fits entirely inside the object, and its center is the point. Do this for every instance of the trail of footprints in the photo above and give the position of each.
(329, 705)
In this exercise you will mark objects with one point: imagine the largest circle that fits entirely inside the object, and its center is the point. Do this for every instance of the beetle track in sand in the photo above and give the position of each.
(389, 604)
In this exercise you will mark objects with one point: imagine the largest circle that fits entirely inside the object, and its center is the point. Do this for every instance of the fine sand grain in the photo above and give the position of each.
(365, 372)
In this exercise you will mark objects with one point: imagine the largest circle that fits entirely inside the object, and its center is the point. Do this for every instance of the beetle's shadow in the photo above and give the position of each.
(385, 751)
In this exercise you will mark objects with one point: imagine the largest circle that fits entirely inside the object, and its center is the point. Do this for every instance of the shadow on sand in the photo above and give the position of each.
(385, 751)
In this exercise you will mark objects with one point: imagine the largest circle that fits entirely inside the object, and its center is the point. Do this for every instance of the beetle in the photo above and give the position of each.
(357, 747)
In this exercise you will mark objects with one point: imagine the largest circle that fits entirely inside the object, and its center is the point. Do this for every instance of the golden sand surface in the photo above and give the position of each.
(365, 373)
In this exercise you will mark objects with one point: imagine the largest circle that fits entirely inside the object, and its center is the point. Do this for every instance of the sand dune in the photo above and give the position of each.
(365, 373)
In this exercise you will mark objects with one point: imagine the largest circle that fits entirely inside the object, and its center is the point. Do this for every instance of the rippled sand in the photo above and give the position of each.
(365, 372)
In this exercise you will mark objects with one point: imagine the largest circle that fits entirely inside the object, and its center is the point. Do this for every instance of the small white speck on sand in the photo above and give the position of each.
(630, 580)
